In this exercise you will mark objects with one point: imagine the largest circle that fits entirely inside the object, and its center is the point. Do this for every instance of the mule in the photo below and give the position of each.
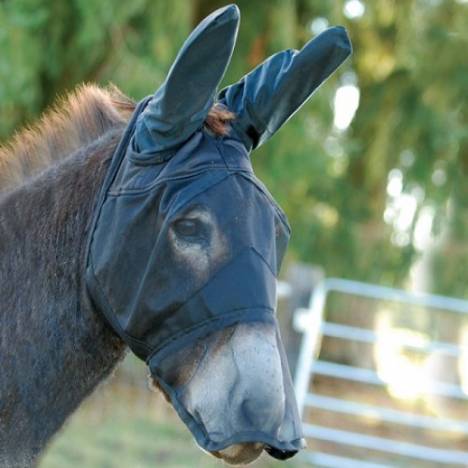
(143, 227)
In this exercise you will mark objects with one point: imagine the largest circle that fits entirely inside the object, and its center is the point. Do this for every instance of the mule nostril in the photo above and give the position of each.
(262, 414)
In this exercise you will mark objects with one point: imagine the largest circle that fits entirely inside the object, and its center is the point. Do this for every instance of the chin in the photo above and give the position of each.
(239, 454)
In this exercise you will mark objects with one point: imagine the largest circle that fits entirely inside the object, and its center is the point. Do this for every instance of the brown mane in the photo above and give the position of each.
(76, 121)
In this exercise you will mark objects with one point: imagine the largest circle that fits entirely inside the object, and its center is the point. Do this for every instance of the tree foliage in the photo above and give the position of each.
(410, 130)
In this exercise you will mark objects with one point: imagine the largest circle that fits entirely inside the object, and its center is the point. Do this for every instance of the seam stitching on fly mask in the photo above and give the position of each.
(261, 187)
(232, 167)
(246, 315)
(220, 318)
(108, 311)
(149, 188)
(112, 172)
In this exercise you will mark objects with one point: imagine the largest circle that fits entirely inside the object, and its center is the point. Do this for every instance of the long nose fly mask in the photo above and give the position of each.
(185, 240)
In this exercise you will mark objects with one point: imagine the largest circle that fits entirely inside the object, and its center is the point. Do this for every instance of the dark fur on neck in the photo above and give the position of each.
(54, 347)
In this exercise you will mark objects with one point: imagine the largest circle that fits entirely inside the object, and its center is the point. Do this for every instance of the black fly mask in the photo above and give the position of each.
(186, 241)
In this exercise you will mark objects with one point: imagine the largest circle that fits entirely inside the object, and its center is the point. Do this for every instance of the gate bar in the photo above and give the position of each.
(335, 461)
(433, 301)
(364, 335)
(359, 374)
(386, 414)
(381, 444)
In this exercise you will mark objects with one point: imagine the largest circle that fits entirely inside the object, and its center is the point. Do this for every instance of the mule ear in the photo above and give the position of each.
(269, 95)
(180, 105)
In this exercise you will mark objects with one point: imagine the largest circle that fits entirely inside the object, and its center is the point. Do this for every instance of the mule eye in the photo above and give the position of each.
(187, 227)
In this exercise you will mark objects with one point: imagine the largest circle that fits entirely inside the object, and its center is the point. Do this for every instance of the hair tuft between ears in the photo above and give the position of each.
(218, 119)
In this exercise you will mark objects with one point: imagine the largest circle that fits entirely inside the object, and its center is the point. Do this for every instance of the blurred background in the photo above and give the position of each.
(372, 173)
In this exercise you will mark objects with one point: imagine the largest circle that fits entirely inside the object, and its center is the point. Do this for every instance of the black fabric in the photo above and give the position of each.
(180, 105)
(264, 99)
(137, 215)
(159, 304)
(185, 241)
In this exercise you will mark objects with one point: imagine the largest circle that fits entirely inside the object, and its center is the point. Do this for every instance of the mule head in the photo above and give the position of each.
(186, 242)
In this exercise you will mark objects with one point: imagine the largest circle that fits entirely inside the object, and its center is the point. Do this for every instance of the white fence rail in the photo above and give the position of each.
(311, 322)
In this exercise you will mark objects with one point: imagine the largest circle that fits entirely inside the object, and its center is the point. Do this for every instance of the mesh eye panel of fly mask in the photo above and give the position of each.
(186, 241)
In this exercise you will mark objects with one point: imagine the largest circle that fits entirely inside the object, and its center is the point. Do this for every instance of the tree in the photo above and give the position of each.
(346, 191)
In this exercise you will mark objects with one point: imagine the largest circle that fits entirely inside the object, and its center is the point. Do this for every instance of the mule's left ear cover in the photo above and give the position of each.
(264, 99)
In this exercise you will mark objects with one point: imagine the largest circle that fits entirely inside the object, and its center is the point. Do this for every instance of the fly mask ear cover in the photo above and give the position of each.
(185, 240)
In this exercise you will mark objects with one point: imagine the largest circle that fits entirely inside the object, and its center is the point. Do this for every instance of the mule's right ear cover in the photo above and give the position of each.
(179, 107)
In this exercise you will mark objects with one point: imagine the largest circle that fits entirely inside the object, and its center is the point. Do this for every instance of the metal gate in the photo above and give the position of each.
(351, 447)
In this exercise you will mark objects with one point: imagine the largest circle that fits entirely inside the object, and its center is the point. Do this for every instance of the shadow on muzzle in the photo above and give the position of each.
(233, 390)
